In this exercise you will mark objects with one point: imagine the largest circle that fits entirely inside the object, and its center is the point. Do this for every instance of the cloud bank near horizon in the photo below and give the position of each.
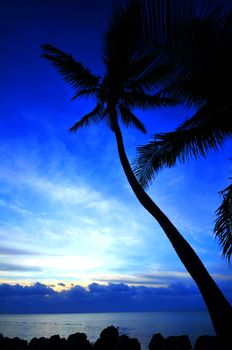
(41, 298)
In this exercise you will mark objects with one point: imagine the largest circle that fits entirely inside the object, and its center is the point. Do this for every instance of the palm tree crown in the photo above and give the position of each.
(114, 97)
(203, 75)
(125, 85)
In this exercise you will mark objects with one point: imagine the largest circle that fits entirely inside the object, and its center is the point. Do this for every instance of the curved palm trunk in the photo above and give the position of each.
(218, 307)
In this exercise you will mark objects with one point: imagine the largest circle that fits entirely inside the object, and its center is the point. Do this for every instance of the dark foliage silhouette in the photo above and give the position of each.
(202, 51)
(134, 75)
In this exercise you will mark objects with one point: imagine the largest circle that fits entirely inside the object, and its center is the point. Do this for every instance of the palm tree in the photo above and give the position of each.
(223, 226)
(203, 56)
(127, 84)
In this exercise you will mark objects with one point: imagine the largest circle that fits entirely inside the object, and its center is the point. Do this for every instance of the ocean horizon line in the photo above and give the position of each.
(103, 312)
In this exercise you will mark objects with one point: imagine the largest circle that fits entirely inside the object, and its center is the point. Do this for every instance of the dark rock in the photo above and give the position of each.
(181, 342)
(157, 342)
(126, 343)
(78, 341)
(12, 343)
(123, 342)
(18, 344)
(6, 343)
(55, 339)
(109, 334)
(44, 343)
(134, 344)
(56, 343)
(64, 343)
(208, 342)
(34, 344)
(101, 345)
(2, 342)
(39, 343)
(108, 339)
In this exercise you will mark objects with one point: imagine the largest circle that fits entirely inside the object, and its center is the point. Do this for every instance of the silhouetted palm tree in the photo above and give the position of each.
(223, 226)
(125, 86)
(203, 56)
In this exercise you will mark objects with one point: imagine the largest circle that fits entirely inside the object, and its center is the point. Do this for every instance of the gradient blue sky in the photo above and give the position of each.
(68, 218)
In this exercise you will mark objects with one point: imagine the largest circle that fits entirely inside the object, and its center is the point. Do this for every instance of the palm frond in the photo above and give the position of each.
(92, 118)
(204, 71)
(195, 137)
(223, 224)
(143, 74)
(139, 99)
(129, 119)
(125, 54)
(191, 36)
(85, 93)
(164, 21)
(73, 72)
(123, 32)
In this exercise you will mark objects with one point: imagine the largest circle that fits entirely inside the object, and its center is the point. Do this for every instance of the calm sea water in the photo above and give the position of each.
(140, 325)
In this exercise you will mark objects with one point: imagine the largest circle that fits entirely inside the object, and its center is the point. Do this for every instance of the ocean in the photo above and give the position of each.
(140, 325)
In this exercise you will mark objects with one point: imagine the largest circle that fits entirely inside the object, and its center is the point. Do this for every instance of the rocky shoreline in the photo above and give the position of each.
(109, 340)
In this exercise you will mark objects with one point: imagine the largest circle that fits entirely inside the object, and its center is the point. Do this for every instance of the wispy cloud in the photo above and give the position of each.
(15, 208)
(77, 227)
(18, 267)
(73, 226)
(18, 251)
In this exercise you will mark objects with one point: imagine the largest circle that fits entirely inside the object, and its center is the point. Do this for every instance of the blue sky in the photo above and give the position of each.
(68, 218)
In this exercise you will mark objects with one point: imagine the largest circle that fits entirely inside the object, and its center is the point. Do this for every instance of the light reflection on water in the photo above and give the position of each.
(136, 325)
